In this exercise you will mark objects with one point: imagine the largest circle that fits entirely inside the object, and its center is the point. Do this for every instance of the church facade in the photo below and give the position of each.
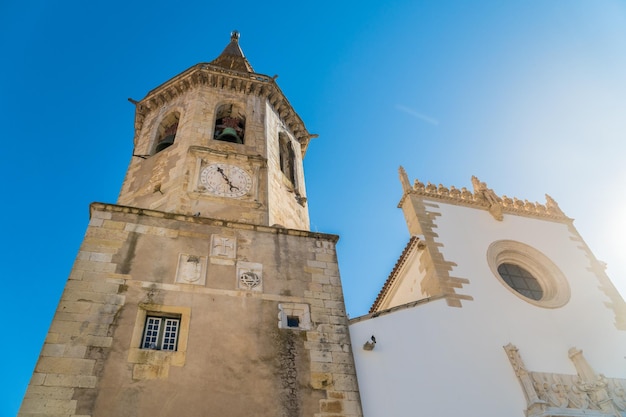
(496, 307)
(202, 291)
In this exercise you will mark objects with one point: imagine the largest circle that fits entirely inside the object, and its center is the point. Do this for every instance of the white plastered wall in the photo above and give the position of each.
(433, 359)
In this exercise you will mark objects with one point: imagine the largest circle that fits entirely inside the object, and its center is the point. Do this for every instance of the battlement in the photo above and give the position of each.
(481, 196)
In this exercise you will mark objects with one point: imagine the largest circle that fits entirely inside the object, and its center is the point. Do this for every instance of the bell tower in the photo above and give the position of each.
(202, 292)
(220, 141)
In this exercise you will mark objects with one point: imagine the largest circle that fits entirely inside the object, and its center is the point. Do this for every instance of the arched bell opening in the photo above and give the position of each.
(287, 158)
(230, 124)
(166, 133)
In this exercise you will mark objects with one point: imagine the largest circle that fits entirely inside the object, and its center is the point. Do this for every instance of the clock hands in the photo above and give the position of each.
(232, 187)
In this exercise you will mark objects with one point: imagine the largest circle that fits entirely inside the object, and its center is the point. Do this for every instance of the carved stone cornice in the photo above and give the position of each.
(482, 197)
(157, 214)
(205, 74)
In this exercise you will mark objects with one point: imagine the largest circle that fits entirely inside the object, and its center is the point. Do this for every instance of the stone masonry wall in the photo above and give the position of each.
(235, 356)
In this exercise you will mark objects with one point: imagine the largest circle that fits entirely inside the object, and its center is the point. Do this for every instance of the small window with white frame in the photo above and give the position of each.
(161, 333)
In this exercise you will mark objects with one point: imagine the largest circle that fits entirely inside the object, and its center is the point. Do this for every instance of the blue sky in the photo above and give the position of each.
(530, 96)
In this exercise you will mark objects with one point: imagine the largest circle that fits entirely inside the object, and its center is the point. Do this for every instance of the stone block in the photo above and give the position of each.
(76, 328)
(143, 372)
(311, 270)
(104, 215)
(53, 349)
(352, 408)
(74, 306)
(75, 351)
(56, 393)
(105, 287)
(343, 382)
(332, 272)
(83, 255)
(321, 380)
(333, 304)
(316, 264)
(75, 381)
(95, 222)
(321, 356)
(321, 295)
(67, 366)
(331, 406)
(325, 257)
(100, 257)
(325, 347)
(92, 297)
(336, 395)
(37, 379)
(321, 279)
(341, 357)
(320, 318)
(49, 407)
(112, 224)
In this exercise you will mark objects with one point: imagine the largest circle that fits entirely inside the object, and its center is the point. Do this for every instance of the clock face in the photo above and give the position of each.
(225, 180)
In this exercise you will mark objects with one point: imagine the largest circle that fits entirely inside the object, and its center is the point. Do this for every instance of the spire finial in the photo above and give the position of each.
(404, 179)
(232, 57)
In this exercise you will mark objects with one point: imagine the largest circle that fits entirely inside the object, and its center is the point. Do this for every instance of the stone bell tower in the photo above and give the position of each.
(202, 292)
(222, 141)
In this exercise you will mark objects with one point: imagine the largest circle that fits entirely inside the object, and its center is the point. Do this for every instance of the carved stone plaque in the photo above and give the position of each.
(249, 276)
(191, 269)
(223, 246)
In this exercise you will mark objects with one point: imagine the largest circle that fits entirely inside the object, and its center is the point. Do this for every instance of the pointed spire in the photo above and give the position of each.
(232, 57)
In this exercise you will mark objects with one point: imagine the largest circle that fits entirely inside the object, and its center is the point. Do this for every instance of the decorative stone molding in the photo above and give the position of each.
(484, 197)
(214, 76)
(584, 394)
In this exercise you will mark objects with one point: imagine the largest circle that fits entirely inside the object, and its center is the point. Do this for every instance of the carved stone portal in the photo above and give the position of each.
(584, 394)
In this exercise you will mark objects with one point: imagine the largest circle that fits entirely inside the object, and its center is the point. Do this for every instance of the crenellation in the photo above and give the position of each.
(486, 198)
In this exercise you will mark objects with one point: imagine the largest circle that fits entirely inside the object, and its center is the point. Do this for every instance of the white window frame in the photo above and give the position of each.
(161, 333)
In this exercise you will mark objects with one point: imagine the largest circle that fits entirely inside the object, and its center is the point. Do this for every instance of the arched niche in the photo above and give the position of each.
(166, 132)
(230, 123)
(287, 158)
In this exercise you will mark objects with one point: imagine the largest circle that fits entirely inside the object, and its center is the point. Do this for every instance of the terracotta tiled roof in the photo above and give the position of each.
(232, 57)
(392, 276)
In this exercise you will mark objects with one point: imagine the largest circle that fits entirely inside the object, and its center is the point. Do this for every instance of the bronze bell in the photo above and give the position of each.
(229, 134)
(165, 143)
